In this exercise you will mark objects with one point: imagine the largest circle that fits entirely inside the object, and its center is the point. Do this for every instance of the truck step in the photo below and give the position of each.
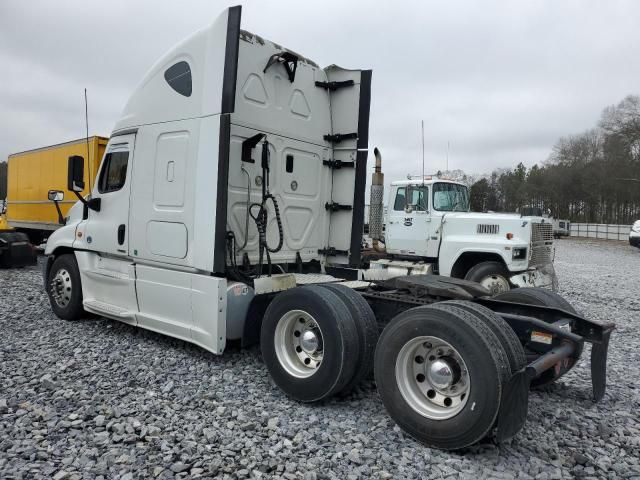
(97, 306)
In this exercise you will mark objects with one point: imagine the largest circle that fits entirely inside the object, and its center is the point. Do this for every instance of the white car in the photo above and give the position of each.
(634, 234)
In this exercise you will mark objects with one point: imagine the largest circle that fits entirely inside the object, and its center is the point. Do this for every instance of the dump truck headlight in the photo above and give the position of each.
(520, 253)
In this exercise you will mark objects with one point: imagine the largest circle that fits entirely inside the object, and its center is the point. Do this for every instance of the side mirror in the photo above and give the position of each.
(55, 195)
(75, 182)
(75, 174)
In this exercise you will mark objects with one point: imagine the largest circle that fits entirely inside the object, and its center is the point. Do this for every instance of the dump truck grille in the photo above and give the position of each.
(541, 244)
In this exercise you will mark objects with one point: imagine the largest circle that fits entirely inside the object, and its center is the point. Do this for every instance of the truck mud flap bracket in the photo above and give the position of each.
(546, 322)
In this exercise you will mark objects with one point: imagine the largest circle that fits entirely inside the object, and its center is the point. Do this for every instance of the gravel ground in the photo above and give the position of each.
(97, 398)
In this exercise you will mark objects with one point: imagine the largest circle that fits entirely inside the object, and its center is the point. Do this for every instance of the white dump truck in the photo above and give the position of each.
(229, 206)
(429, 229)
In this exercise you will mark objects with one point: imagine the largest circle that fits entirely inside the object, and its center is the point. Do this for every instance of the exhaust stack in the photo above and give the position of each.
(375, 202)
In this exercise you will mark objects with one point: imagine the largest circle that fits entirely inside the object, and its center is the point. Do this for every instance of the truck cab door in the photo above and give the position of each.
(106, 231)
(102, 247)
(409, 221)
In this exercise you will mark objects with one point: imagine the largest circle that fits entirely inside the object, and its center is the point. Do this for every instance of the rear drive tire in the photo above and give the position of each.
(427, 355)
(494, 276)
(544, 298)
(367, 328)
(537, 296)
(64, 288)
(309, 342)
(500, 328)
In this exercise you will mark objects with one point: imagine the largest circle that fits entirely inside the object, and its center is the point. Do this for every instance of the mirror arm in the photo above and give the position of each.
(92, 204)
(61, 219)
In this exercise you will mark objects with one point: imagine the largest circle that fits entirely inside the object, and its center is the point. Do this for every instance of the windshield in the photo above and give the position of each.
(450, 197)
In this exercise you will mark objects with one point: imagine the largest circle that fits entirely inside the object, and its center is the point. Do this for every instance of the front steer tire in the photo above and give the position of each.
(64, 288)
(492, 275)
(482, 358)
(326, 363)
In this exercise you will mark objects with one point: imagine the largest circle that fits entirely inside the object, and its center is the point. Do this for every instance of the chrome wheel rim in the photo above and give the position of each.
(495, 284)
(298, 343)
(432, 377)
(61, 288)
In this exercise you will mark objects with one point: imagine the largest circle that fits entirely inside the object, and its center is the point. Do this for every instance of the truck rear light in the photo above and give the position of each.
(509, 236)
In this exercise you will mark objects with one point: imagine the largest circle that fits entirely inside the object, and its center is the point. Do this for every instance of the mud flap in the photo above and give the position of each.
(599, 365)
(514, 405)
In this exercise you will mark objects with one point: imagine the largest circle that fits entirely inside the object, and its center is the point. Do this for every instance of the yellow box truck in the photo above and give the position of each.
(32, 174)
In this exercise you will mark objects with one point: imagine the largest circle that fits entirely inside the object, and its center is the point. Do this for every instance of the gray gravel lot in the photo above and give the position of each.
(97, 398)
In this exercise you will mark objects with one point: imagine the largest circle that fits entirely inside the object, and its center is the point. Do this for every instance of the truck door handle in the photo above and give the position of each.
(121, 230)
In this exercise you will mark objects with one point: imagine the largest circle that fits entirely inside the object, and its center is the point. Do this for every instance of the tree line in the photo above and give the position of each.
(591, 177)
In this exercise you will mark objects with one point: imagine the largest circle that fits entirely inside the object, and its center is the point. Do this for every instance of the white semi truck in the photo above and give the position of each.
(229, 206)
(428, 227)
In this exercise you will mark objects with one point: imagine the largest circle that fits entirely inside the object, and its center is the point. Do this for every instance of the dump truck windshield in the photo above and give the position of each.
(450, 197)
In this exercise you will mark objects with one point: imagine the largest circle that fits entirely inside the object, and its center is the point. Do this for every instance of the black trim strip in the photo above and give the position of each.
(227, 107)
(357, 225)
(126, 131)
(220, 245)
(231, 60)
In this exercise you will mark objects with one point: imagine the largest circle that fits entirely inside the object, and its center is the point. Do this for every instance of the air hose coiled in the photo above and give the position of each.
(261, 219)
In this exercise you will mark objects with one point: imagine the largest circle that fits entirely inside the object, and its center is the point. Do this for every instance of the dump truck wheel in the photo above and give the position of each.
(64, 288)
(494, 276)
(440, 375)
(309, 341)
(544, 298)
(367, 328)
(501, 329)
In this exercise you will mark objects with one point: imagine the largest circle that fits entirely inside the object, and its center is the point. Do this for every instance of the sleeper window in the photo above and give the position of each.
(178, 77)
(114, 172)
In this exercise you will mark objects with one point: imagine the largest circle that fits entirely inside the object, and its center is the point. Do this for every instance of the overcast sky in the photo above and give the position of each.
(500, 80)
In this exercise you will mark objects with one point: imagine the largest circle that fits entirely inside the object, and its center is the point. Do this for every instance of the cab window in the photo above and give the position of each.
(450, 197)
(418, 198)
(399, 202)
(114, 172)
